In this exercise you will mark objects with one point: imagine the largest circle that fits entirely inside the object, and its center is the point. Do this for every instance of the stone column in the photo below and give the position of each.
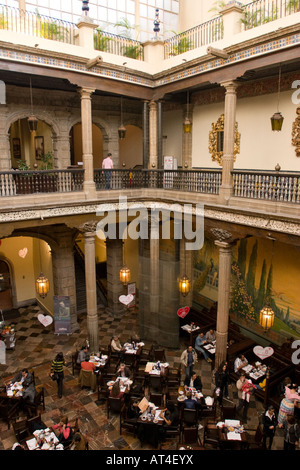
(226, 189)
(153, 137)
(145, 135)
(225, 252)
(154, 266)
(115, 288)
(61, 151)
(87, 141)
(160, 162)
(64, 273)
(91, 290)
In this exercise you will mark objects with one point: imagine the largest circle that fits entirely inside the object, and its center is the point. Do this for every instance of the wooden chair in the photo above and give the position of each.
(127, 424)
(114, 405)
(189, 417)
(157, 399)
(21, 430)
(156, 383)
(159, 355)
(39, 402)
(256, 442)
(9, 411)
(228, 412)
(211, 437)
(190, 436)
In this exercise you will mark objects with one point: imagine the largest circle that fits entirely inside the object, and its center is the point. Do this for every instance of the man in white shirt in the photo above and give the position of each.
(116, 346)
(240, 362)
(107, 164)
(210, 336)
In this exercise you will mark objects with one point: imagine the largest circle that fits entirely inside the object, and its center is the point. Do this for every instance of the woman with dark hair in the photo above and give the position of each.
(57, 372)
(116, 391)
(222, 381)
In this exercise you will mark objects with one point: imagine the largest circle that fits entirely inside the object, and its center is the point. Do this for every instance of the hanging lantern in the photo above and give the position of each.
(276, 121)
(277, 118)
(122, 132)
(32, 120)
(187, 126)
(42, 285)
(266, 317)
(184, 285)
(125, 275)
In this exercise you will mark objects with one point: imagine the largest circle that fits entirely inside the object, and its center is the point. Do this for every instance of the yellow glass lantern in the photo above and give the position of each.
(266, 317)
(125, 275)
(187, 126)
(184, 285)
(42, 285)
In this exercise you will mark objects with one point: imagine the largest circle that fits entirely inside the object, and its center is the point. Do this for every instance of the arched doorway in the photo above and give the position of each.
(6, 299)
(76, 145)
(31, 149)
(131, 148)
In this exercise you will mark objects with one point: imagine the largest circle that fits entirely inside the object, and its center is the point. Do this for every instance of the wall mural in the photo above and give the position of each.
(262, 270)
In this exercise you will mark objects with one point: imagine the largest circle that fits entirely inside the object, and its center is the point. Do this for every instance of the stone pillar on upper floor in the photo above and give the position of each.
(226, 189)
(87, 141)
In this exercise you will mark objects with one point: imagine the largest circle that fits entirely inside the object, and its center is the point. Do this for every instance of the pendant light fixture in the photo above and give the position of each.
(187, 125)
(125, 273)
(267, 315)
(32, 120)
(184, 283)
(277, 118)
(42, 283)
(122, 128)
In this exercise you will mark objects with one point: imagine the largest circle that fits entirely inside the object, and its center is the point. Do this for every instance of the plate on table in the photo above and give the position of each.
(181, 398)
(110, 383)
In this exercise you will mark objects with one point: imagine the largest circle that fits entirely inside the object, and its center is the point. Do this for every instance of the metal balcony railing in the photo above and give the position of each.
(201, 35)
(34, 24)
(118, 45)
(263, 11)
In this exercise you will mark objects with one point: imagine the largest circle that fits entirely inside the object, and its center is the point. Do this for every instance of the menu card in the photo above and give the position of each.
(143, 405)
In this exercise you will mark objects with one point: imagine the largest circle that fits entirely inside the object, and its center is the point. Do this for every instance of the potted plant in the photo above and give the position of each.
(48, 183)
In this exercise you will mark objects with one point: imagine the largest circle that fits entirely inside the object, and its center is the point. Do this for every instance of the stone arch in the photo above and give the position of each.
(9, 299)
(42, 117)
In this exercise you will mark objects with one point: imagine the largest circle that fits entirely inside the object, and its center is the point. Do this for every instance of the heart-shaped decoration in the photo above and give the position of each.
(126, 299)
(182, 312)
(45, 320)
(23, 252)
(263, 353)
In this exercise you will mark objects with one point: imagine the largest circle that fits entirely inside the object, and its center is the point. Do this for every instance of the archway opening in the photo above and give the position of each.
(76, 145)
(31, 150)
(6, 300)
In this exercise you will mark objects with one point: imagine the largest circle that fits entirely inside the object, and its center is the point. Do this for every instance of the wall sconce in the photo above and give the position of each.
(277, 118)
(122, 128)
(184, 285)
(32, 120)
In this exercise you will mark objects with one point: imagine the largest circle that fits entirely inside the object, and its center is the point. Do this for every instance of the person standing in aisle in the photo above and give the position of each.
(57, 372)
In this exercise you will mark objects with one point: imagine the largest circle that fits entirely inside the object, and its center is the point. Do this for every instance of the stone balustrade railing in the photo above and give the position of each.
(280, 186)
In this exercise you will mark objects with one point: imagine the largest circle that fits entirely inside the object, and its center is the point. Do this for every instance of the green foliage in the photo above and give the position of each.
(101, 42)
(183, 45)
(47, 159)
(23, 166)
(241, 302)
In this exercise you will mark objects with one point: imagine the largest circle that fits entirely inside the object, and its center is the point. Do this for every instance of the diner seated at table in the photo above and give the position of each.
(240, 362)
(193, 382)
(78, 442)
(190, 402)
(83, 355)
(210, 336)
(87, 365)
(63, 431)
(170, 416)
(116, 391)
(199, 342)
(29, 393)
(24, 376)
(116, 345)
(124, 371)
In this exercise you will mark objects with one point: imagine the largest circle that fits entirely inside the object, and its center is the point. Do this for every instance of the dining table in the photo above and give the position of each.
(157, 368)
(100, 361)
(232, 434)
(255, 372)
(44, 439)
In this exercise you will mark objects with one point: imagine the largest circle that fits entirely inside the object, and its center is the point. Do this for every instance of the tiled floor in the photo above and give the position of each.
(37, 345)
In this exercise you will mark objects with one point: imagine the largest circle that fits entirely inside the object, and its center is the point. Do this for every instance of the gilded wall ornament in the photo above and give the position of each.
(296, 133)
(216, 140)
